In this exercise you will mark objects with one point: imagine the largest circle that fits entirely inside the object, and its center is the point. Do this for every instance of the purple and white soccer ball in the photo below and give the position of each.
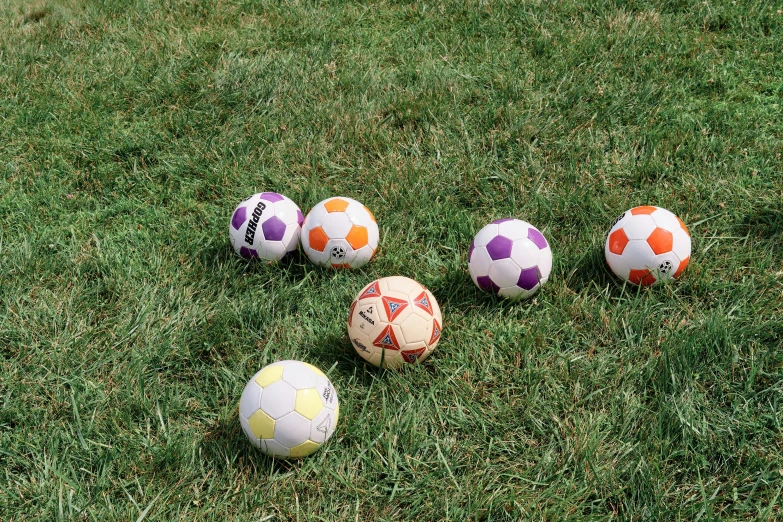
(511, 258)
(266, 225)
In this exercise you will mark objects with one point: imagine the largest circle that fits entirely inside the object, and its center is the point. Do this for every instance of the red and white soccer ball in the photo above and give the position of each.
(265, 225)
(394, 321)
(648, 244)
(339, 233)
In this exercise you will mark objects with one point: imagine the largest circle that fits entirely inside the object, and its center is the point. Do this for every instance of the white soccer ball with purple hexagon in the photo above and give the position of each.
(511, 258)
(266, 225)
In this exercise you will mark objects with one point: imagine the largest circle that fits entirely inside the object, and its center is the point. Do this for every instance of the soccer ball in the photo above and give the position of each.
(339, 232)
(511, 258)
(648, 244)
(288, 409)
(266, 225)
(394, 321)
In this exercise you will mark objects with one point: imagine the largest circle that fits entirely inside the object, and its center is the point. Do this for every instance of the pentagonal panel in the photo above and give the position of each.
(261, 424)
(660, 241)
(485, 235)
(643, 277)
(273, 228)
(499, 247)
(317, 239)
(291, 237)
(644, 210)
(308, 403)
(337, 225)
(335, 205)
(278, 399)
(304, 449)
(513, 229)
(299, 376)
(640, 227)
(538, 239)
(479, 263)
(486, 283)
(525, 253)
(239, 217)
(683, 265)
(248, 432)
(638, 254)
(269, 375)
(272, 197)
(357, 237)
(504, 272)
(529, 278)
(617, 241)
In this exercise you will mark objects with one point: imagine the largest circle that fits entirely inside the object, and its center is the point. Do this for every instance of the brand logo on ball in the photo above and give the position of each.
(666, 267)
(250, 233)
(323, 426)
(365, 314)
(359, 346)
(338, 253)
(327, 392)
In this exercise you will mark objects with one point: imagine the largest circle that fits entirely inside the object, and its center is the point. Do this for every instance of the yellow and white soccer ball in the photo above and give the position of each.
(289, 409)
(340, 233)
(394, 321)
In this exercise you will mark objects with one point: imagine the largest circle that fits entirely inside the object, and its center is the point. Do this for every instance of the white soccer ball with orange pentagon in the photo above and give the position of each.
(394, 321)
(648, 244)
(289, 409)
(339, 232)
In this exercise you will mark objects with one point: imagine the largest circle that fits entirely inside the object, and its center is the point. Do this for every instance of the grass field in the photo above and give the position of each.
(129, 130)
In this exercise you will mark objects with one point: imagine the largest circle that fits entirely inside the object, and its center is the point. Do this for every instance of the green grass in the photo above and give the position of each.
(128, 327)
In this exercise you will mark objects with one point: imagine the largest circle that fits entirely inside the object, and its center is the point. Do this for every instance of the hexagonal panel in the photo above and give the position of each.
(485, 235)
(249, 433)
(681, 244)
(278, 399)
(660, 241)
(357, 237)
(480, 262)
(618, 266)
(337, 225)
(250, 400)
(299, 376)
(292, 430)
(638, 255)
(317, 239)
(617, 241)
(525, 253)
(666, 220)
(513, 229)
(545, 264)
(639, 227)
(504, 272)
(341, 254)
(415, 328)
(308, 403)
(275, 449)
(269, 375)
(499, 247)
(336, 205)
(272, 250)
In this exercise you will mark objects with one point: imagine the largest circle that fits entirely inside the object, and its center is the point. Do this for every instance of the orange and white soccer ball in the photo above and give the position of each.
(339, 232)
(648, 244)
(394, 321)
